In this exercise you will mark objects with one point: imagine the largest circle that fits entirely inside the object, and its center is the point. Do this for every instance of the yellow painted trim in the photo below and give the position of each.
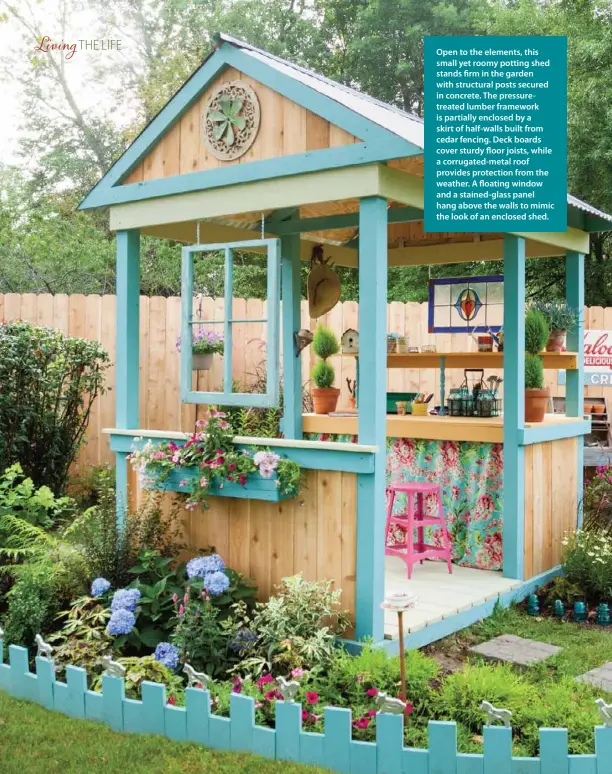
(465, 252)
(401, 187)
(330, 185)
(573, 239)
(429, 428)
(551, 360)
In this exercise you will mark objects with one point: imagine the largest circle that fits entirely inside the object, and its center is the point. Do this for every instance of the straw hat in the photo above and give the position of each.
(323, 290)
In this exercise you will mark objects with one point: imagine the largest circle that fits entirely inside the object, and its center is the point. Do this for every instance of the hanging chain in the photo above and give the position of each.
(198, 233)
(262, 225)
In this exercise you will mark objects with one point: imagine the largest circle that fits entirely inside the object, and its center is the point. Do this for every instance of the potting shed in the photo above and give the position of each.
(256, 154)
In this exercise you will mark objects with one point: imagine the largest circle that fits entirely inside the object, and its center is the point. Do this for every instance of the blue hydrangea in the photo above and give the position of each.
(121, 622)
(216, 583)
(167, 654)
(202, 566)
(99, 586)
(242, 641)
(125, 599)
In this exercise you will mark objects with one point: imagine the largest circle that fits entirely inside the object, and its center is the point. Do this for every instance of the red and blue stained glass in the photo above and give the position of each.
(466, 304)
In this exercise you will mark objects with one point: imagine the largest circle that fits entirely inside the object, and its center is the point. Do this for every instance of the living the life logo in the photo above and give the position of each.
(47, 45)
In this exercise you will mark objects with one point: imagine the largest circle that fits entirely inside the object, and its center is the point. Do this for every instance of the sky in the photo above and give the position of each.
(15, 50)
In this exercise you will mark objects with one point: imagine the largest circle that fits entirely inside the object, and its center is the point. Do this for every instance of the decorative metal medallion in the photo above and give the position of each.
(231, 120)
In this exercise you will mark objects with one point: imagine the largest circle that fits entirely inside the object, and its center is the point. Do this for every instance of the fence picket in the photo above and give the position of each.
(176, 723)
(45, 673)
(497, 750)
(338, 739)
(288, 728)
(469, 763)
(242, 714)
(197, 702)
(553, 751)
(18, 660)
(76, 685)
(133, 716)
(153, 701)
(113, 693)
(389, 741)
(442, 737)
(603, 749)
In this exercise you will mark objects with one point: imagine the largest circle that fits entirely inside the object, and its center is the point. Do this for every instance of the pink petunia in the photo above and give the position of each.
(305, 715)
(270, 695)
(312, 697)
(362, 722)
(372, 692)
(371, 713)
(172, 701)
(409, 709)
(297, 672)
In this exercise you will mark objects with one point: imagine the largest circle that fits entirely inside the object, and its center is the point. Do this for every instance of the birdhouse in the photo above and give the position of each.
(350, 342)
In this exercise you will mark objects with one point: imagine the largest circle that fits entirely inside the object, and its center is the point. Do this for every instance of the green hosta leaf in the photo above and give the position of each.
(150, 637)
(219, 130)
(230, 137)
(239, 123)
(223, 599)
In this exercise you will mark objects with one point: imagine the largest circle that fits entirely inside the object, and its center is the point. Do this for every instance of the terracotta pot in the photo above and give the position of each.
(588, 408)
(352, 401)
(598, 408)
(536, 403)
(325, 399)
(556, 341)
(201, 362)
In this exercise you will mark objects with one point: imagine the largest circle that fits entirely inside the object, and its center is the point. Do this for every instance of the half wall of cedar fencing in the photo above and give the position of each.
(93, 317)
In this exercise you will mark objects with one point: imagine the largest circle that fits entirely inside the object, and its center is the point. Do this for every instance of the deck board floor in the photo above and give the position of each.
(439, 595)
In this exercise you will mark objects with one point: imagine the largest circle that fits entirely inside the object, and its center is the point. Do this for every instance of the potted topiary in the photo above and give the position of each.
(205, 345)
(561, 318)
(324, 394)
(536, 395)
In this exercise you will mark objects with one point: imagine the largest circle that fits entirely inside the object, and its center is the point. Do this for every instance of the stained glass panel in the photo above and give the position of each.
(466, 304)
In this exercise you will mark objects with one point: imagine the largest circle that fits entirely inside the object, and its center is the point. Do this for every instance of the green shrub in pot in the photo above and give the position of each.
(560, 318)
(536, 395)
(324, 394)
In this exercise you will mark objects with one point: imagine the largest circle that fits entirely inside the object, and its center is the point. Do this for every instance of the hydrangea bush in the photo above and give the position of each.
(211, 451)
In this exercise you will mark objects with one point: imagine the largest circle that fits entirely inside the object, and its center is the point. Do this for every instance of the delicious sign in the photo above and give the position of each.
(598, 357)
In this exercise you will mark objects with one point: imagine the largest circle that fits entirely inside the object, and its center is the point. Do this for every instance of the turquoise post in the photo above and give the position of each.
(126, 365)
(370, 584)
(574, 386)
(229, 314)
(292, 365)
(514, 406)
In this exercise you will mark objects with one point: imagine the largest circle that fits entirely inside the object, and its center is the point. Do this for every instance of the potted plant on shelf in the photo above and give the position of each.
(205, 345)
(536, 395)
(561, 318)
(324, 394)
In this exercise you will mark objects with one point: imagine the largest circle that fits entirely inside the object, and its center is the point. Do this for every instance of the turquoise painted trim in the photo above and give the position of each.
(334, 749)
(228, 290)
(370, 581)
(256, 487)
(186, 359)
(457, 622)
(514, 408)
(127, 375)
(309, 459)
(292, 365)
(354, 155)
(553, 432)
(574, 386)
(382, 142)
(348, 220)
(227, 397)
(128, 323)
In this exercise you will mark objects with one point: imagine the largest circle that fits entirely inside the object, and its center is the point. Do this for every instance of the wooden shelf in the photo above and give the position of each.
(552, 360)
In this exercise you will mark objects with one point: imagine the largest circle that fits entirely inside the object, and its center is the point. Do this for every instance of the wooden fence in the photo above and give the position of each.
(93, 317)
(335, 749)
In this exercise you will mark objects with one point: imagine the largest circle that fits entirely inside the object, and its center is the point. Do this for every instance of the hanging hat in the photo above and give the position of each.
(323, 285)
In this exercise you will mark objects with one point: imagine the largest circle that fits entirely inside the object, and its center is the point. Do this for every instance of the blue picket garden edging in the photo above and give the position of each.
(255, 488)
(335, 749)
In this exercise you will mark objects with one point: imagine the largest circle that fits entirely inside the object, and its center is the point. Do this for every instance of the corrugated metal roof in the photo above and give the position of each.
(580, 205)
(405, 125)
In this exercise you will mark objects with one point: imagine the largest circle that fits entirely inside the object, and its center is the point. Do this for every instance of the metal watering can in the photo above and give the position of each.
(486, 340)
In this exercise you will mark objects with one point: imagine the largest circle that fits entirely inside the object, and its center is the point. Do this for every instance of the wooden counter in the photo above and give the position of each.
(431, 427)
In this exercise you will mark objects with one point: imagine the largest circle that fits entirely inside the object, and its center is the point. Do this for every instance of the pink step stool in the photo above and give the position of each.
(415, 518)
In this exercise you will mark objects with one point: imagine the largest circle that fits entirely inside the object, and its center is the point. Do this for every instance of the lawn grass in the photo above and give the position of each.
(584, 647)
(36, 741)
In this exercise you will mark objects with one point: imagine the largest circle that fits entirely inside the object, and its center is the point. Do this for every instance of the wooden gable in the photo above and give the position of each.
(286, 128)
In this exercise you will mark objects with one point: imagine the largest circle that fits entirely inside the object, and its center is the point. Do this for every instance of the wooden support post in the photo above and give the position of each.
(292, 365)
(370, 584)
(514, 408)
(127, 358)
(574, 389)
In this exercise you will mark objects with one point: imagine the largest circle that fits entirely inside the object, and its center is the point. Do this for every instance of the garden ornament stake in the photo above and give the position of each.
(195, 679)
(605, 712)
(112, 668)
(44, 650)
(400, 602)
(389, 704)
(1, 632)
(288, 689)
(494, 714)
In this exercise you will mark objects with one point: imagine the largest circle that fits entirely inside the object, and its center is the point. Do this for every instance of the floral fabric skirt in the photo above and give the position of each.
(470, 475)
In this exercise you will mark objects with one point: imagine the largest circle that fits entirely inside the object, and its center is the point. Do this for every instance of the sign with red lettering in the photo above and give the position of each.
(598, 357)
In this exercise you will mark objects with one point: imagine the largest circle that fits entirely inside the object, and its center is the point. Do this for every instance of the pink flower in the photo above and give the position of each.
(181, 611)
(184, 482)
(362, 722)
(237, 688)
(305, 715)
(312, 697)
(298, 672)
(371, 713)
(359, 678)
(242, 479)
(224, 425)
(271, 695)
(409, 709)
(186, 597)
(172, 700)
(372, 692)
(203, 482)
(176, 458)
(231, 466)
(258, 704)
(175, 598)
